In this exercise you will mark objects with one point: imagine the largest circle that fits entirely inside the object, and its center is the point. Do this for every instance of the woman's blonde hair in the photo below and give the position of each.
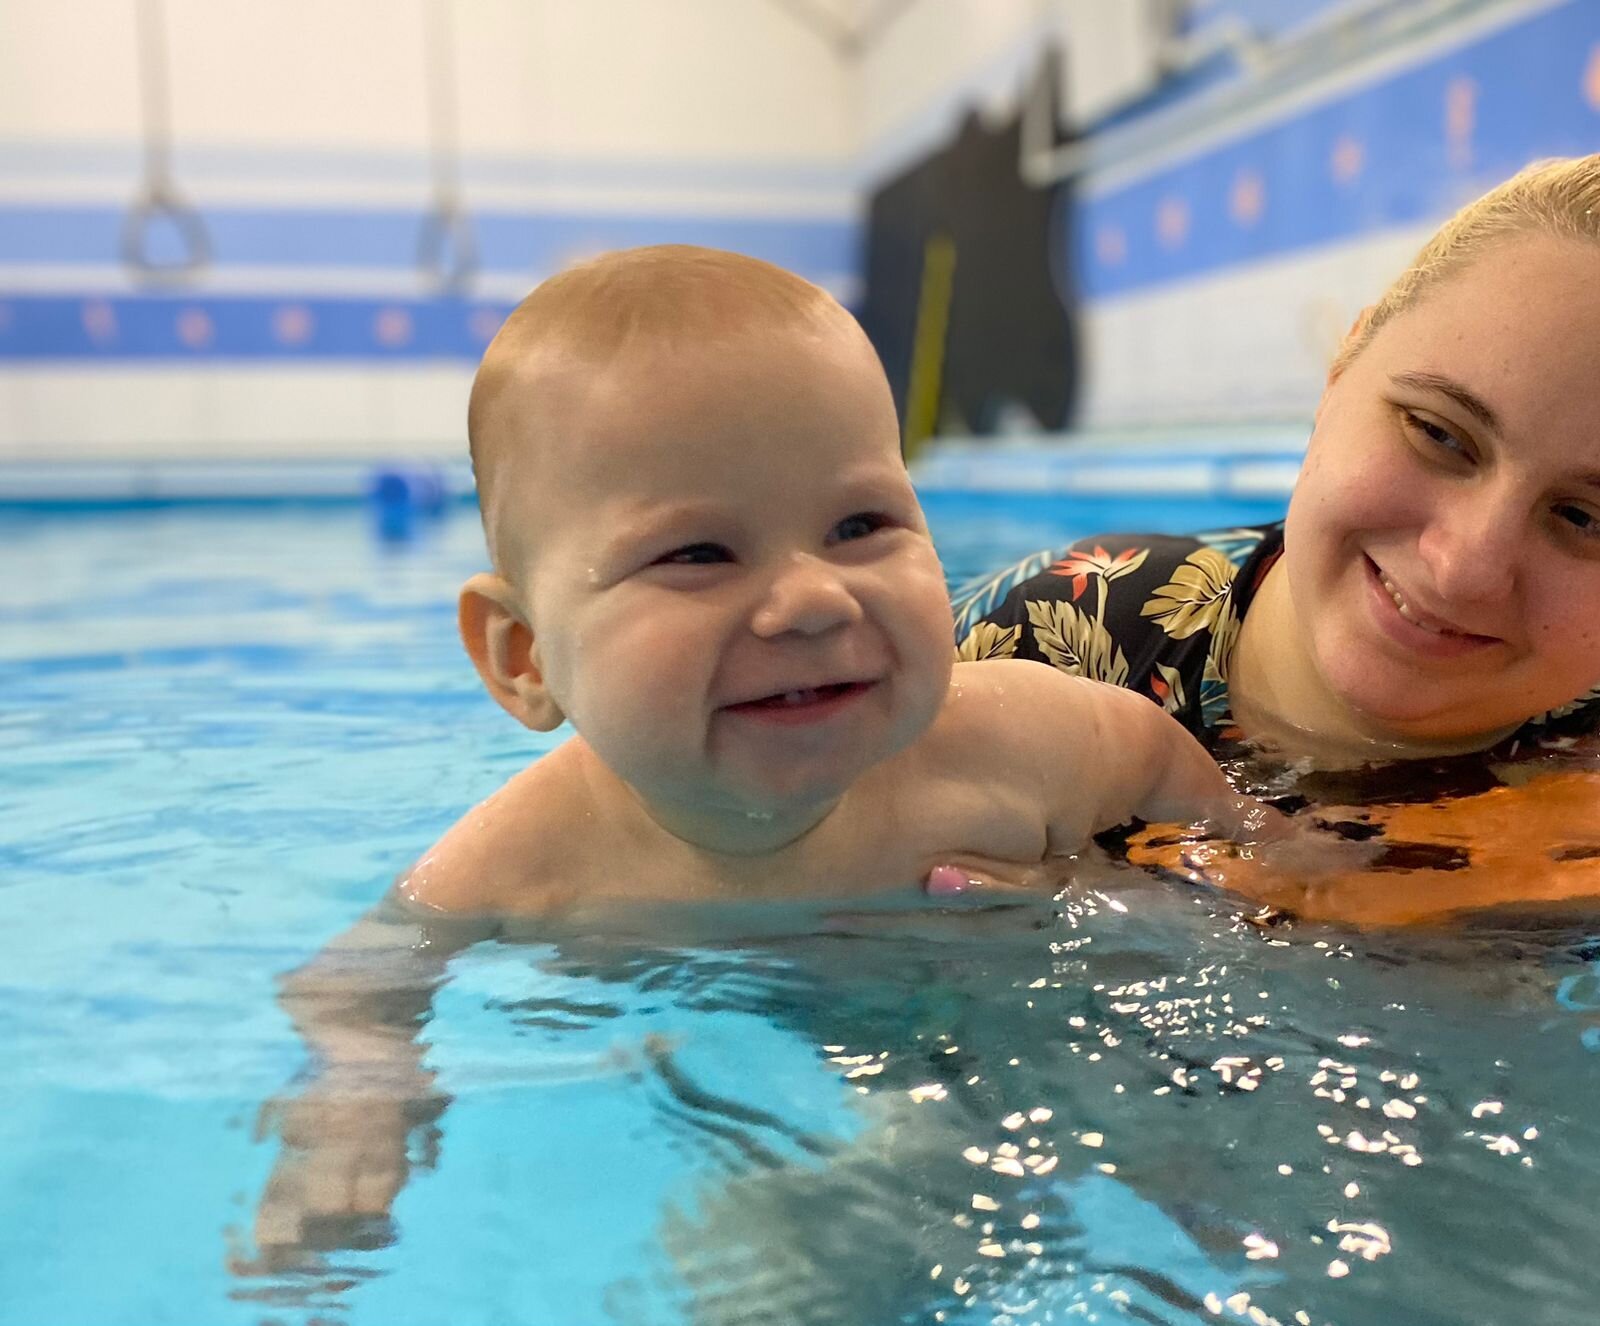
(1560, 197)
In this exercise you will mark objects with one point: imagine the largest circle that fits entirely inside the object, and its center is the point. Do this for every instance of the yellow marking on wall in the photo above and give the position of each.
(926, 384)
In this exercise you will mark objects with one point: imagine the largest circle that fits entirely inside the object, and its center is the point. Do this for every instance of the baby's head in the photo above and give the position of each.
(707, 552)
(592, 337)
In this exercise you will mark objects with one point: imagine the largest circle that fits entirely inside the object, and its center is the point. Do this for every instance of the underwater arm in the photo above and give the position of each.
(359, 1005)
(1536, 844)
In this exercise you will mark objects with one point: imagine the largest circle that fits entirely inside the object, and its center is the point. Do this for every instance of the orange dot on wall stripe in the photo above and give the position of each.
(1347, 159)
(1248, 198)
(1172, 222)
(1591, 79)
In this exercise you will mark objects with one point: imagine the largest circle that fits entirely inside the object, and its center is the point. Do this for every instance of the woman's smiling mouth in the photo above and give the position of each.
(1417, 629)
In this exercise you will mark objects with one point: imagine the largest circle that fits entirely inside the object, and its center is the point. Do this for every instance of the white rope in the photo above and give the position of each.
(447, 249)
(158, 199)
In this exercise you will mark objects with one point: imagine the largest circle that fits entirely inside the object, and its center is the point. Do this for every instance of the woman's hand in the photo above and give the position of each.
(1417, 864)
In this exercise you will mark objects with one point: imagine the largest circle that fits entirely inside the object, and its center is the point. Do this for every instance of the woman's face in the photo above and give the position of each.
(1443, 542)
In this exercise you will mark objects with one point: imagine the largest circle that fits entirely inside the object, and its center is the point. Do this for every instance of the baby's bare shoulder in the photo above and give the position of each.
(989, 727)
(510, 854)
(1022, 718)
(1019, 699)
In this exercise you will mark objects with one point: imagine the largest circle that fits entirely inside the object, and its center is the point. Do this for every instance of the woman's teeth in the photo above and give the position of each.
(1405, 610)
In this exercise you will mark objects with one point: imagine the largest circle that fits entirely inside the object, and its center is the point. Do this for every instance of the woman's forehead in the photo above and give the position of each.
(1535, 281)
(1525, 316)
(1506, 352)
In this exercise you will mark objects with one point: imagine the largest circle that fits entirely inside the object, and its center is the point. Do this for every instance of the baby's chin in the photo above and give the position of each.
(772, 799)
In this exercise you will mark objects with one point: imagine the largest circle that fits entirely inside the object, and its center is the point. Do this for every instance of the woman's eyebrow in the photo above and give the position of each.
(1467, 400)
(1475, 406)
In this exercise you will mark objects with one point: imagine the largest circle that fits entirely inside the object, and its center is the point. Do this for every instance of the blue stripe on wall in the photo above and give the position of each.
(307, 237)
(213, 327)
(1409, 149)
(292, 326)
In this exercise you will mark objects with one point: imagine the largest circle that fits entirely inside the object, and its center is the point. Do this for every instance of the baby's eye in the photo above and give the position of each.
(1578, 518)
(695, 554)
(859, 526)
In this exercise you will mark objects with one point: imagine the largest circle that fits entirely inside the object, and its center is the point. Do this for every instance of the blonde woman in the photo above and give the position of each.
(1435, 588)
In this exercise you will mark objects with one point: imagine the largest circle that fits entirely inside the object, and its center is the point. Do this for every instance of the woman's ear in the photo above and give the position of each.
(1351, 339)
(1341, 360)
(501, 645)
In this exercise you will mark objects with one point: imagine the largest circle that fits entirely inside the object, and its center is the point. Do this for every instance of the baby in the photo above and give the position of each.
(708, 557)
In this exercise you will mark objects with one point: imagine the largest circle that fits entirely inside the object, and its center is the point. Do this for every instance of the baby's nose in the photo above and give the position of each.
(806, 596)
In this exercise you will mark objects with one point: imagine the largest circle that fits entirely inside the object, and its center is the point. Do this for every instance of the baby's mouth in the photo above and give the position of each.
(804, 697)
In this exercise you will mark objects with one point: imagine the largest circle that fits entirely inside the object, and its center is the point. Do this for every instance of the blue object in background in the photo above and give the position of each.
(405, 497)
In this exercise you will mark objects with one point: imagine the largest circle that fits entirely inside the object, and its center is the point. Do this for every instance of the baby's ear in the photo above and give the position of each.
(501, 644)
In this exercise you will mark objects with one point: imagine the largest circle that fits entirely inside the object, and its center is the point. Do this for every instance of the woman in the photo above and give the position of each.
(1435, 588)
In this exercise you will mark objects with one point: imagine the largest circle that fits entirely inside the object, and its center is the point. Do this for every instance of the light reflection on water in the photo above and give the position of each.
(224, 735)
(1149, 1111)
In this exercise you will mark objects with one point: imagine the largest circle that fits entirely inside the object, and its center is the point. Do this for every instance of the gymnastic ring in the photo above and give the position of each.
(164, 204)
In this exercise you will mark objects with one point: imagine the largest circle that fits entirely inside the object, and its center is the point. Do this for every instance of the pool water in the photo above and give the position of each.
(226, 730)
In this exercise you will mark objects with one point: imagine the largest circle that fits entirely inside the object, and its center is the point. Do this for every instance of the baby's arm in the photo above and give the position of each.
(1100, 755)
(1155, 770)
(359, 1005)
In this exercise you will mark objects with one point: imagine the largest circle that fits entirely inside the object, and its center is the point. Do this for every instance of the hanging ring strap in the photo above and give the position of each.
(159, 203)
(447, 248)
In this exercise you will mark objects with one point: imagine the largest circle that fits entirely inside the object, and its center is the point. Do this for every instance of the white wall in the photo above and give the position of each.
(686, 79)
(702, 110)
(333, 411)
(1220, 245)
(1248, 344)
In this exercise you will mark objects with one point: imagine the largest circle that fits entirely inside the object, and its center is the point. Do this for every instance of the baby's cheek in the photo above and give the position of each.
(924, 601)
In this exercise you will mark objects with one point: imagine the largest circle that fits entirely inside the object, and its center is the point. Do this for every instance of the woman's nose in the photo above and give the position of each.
(1472, 544)
(805, 596)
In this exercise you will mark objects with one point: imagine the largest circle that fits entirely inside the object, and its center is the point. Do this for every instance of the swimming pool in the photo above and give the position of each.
(225, 731)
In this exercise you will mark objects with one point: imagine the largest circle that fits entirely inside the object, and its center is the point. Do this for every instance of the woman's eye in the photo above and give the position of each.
(1438, 435)
(695, 554)
(859, 526)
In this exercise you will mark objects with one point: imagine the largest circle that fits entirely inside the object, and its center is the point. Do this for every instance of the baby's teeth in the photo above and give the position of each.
(799, 697)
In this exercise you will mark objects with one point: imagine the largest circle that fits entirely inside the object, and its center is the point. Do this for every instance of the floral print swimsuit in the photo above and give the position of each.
(1154, 613)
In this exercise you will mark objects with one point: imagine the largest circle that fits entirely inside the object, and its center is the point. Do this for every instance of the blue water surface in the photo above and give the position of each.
(224, 732)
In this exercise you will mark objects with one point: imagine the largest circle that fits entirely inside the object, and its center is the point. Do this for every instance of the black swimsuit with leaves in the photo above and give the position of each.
(1158, 614)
